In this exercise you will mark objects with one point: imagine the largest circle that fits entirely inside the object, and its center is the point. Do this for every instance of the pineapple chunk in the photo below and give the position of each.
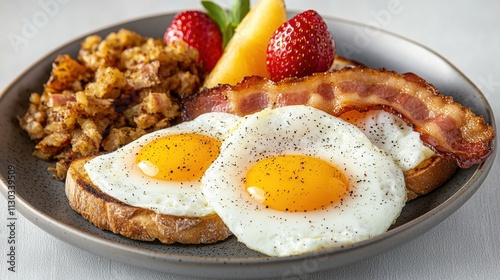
(245, 54)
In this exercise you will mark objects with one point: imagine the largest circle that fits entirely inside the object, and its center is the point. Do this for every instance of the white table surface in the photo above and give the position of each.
(467, 33)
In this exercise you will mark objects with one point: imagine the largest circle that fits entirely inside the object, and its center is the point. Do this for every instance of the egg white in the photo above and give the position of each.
(117, 174)
(375, 197)
(393, 135)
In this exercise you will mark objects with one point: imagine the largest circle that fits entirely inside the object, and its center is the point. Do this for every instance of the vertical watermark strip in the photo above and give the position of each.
(11, 218)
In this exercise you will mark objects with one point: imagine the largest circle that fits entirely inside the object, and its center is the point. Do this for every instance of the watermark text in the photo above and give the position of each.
(11, 218)
(31, 25)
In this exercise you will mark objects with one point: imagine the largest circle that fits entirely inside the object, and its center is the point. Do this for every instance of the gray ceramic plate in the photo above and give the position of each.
(42, 200)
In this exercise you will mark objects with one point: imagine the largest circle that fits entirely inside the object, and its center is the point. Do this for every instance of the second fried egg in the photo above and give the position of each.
(391, 134)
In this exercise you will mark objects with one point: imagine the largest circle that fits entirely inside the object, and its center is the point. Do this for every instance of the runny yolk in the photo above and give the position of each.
(180, 157)
(296, 183)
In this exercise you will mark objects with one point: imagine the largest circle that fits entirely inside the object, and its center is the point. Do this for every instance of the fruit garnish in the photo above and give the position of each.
(299, 47)
(227, 22)
(245, 54)
(199, 31)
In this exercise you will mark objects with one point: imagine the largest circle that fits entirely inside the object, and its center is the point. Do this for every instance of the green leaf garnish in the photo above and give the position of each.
(239, 10)
(227, 22)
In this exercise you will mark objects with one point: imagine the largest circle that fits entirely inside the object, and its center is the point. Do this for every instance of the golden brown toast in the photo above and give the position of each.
(108, 213)
(428, 175)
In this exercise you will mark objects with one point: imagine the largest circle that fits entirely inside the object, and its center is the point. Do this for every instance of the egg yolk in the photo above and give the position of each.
(180, 157)
(296, 183)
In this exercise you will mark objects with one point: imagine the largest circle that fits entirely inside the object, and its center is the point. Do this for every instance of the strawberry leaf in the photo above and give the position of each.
(219, 15)
(227, 22)
(216, 13)
(239, 10)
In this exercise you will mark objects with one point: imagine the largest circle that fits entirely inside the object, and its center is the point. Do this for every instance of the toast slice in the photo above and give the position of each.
(428, 175)
(108, 213)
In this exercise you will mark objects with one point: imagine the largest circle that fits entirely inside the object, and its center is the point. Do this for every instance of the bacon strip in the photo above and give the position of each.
(445, 126)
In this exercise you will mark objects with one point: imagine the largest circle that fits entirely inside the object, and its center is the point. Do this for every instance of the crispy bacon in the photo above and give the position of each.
(445, 126)
(58, 99)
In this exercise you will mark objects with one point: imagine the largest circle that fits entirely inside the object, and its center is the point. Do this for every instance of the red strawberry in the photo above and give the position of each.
(300, 47)
(199, 32)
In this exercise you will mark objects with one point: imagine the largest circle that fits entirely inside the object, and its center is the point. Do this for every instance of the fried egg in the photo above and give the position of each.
(161, 171)
(294, 179)
(391, 134)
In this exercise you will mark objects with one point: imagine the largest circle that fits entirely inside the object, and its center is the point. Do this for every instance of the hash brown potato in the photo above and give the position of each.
(117, 89)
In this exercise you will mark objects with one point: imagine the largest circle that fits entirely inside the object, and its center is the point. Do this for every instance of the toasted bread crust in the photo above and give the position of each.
(108, 213)
(428, 175)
